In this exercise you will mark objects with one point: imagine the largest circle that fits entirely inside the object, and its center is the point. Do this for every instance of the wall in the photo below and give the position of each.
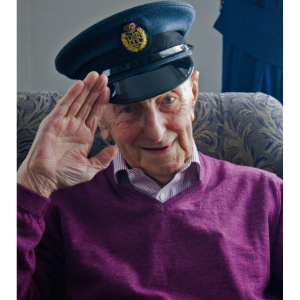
(44, 27)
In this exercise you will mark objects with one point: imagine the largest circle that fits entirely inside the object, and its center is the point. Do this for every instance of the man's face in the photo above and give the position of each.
(155, 135)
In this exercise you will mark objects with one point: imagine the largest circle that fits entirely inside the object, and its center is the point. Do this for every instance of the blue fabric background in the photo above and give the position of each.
(252, 46)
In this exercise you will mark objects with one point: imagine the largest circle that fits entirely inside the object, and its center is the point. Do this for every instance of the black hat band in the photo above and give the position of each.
(155, 57)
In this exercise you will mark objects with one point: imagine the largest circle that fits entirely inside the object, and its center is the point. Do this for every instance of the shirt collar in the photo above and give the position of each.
(120, 163)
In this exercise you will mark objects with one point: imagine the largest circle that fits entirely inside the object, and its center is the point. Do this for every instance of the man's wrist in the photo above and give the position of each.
(23, 179)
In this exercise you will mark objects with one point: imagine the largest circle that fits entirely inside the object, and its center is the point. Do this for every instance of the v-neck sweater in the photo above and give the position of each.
(221, 238)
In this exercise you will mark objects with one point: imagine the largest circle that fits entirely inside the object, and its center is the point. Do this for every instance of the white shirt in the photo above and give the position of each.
(135, 178)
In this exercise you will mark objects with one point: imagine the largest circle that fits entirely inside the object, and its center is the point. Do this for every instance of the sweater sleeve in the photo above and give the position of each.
(36, 263)
(277, 248)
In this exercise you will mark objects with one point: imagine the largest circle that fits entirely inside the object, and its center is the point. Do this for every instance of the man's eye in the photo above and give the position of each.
(128, 109)
(169, 100)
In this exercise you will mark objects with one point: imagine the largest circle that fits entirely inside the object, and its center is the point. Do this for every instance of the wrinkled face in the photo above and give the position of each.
(155, 135)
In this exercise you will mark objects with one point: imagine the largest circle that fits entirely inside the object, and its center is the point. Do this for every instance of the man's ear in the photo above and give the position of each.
(194, 82)
(105, 133)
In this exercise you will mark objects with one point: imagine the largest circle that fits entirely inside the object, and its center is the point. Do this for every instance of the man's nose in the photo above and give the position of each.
(154, 127)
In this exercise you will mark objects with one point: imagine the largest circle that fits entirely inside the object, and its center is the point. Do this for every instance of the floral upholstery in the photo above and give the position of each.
(243, 128)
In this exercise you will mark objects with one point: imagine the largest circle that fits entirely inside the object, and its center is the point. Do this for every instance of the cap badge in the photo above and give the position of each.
(134, 39)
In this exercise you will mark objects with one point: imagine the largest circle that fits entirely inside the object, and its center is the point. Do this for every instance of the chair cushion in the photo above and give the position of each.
(243, 128)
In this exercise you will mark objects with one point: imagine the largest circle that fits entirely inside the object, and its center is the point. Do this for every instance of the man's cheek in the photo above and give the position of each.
(179, 121)
(127, 134)
(175, 123)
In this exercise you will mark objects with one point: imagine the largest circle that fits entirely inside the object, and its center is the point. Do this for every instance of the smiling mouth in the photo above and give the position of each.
(156, 149)
(159, 150)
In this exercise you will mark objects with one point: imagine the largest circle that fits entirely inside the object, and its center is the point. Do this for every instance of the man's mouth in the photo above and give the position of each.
(158, 149)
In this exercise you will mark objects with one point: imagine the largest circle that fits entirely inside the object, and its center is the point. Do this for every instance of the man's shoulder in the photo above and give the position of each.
(217, 167)
(245, 187)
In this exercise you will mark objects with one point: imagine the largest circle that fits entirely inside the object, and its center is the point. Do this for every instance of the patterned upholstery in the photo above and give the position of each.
(243, 128)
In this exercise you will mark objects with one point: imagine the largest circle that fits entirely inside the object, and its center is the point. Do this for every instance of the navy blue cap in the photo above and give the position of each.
(142, 50)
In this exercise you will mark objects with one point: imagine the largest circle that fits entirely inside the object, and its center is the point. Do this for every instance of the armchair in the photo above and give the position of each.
(243, 128)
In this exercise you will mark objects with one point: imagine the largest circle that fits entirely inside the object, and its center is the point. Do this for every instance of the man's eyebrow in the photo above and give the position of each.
(176, 91)
(116, 108)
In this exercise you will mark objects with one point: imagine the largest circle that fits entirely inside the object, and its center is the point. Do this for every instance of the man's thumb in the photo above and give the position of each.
(102, 160)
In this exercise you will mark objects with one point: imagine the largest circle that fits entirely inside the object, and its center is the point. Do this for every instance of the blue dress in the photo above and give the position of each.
(252, 46)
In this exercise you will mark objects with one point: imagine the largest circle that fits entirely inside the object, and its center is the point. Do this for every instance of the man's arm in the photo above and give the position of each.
(277, 251)
(57, 159)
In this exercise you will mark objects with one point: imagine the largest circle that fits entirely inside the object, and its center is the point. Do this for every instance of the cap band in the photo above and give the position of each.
(148, 59)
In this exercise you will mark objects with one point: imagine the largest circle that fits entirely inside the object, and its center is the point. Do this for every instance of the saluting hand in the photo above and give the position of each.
(58, 156)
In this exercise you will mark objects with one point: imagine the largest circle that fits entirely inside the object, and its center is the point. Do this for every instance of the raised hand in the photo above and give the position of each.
(58, 156)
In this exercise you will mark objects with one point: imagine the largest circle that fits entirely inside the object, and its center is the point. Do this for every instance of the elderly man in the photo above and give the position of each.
(149, 218)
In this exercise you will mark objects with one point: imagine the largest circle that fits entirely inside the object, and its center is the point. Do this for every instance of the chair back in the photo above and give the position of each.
(243, 128)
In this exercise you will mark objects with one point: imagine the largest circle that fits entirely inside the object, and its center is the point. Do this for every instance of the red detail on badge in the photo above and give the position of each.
(130, 28)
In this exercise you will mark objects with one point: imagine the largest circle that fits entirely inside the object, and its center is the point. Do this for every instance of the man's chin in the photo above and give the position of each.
(162, 172)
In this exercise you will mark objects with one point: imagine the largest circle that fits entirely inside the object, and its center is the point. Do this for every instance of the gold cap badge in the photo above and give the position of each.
(134, 39)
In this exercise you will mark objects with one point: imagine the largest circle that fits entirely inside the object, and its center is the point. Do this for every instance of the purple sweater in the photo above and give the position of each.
(219, 239)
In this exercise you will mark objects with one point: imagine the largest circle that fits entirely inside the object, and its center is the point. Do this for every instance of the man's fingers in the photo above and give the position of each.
(64, 103)
(102, 160)
(96, 91)
(89, 83)
(97, 110)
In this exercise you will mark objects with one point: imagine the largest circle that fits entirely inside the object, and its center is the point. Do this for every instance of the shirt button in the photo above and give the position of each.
(131, 176)
(162, 196)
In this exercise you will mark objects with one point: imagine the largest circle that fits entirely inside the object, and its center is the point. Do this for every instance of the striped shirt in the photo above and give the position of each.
(136, 178)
